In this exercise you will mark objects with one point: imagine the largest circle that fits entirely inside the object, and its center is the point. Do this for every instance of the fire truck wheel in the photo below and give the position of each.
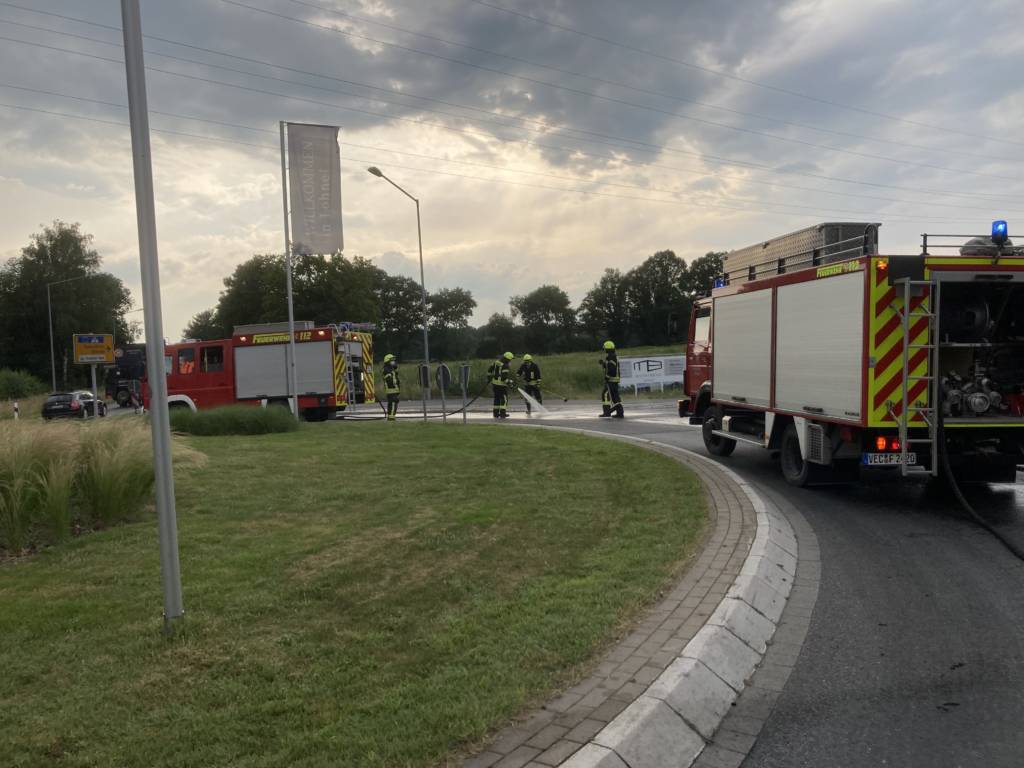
(795, 470)
(715, 444)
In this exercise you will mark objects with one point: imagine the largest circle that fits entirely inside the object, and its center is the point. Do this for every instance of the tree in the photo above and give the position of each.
(450, 310)
(90, 301)
(205, 326)
(603, 312)
(498, 335)
(400, 320)
(700, 276)
(546, 316)
(654, 299)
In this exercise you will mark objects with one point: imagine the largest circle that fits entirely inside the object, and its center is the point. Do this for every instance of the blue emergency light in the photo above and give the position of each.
(999, 232)
(719, 282)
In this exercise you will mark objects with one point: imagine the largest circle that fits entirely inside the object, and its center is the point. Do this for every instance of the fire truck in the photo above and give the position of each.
(818, 347)
(334, 368)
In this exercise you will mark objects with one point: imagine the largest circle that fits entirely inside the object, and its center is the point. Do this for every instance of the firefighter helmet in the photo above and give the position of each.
(527, 358)
(509, 356)
(609, 345)
(388, 358)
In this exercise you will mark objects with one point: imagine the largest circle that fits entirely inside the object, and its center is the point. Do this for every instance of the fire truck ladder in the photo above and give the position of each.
(928, 309)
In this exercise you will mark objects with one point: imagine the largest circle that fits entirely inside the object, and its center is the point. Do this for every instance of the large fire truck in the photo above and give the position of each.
(818, 347)
(333, 364)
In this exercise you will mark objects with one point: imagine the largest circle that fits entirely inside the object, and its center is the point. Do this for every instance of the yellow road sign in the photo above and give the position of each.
(94, 347)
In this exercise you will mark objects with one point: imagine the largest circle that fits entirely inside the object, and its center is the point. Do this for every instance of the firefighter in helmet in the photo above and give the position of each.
(529, 372)
(500, 375)
(611, 402)
(392, 385)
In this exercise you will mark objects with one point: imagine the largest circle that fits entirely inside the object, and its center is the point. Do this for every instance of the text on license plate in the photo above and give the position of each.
(886, 459)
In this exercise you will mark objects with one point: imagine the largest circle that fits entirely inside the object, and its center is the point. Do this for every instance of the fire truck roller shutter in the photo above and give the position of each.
(819, 362)
(742, 338)
(314, 368)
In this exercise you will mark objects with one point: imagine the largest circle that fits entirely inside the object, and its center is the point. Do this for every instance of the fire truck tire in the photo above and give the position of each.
(795, 470)
(715, 444)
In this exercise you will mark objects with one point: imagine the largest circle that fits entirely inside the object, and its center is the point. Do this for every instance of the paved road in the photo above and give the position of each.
(915, 655)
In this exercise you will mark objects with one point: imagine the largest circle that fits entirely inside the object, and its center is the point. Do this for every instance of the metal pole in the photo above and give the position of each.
(138, 113)
(423, 301)
(53, 362)
(95, 394)
(293, 386)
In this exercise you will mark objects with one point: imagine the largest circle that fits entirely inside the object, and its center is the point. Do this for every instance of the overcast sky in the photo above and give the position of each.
(542, 152)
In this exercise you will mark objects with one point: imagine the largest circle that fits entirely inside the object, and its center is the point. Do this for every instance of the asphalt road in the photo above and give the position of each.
(915, 655)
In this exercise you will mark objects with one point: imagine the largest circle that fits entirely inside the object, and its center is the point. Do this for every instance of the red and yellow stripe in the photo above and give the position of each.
(885, 349)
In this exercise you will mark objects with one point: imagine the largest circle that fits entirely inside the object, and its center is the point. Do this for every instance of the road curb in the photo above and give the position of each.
(675, 718)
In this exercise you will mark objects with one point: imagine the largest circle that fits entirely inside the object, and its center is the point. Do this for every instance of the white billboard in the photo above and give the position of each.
(650, 371)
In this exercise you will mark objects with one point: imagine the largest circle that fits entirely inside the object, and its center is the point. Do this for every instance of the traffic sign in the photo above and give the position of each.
(94, 347)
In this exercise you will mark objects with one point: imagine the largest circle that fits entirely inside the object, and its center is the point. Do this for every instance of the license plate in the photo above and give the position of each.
(887, 459)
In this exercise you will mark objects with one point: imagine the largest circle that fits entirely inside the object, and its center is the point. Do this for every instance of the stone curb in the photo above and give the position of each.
(674, 719)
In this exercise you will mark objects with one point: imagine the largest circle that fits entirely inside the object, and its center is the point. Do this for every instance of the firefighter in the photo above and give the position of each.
(392, 385)
(529, 372)
(500, 375)
(611, 403)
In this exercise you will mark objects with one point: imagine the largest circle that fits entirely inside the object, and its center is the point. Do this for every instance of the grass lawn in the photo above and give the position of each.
(356, 595)
(575, 375)
(29, 407)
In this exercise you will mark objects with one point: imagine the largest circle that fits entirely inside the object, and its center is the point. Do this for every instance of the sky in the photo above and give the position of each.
(546, 139)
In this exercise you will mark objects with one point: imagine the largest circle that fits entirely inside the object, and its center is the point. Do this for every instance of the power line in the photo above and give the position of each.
(474, 134)
(434, 171)
(636, 88)
(739, 79)
(621, 102)
(502, 169)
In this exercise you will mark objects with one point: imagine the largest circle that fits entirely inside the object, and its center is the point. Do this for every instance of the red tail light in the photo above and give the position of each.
(881, 442)
(75, 405)
(894, 444)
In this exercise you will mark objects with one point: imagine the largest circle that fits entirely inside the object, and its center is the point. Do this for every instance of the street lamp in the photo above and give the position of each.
(49, 315)
(423, 297)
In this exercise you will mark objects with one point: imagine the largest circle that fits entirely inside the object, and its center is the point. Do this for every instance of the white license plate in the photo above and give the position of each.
(887, 459)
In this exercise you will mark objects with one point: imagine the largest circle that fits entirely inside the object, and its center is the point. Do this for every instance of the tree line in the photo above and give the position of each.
(84, 300)
(649, 304)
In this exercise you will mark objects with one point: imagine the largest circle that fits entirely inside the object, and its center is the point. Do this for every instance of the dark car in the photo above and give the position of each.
(72, 405)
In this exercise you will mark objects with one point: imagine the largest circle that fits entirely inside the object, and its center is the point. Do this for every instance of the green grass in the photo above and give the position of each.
(29, 407)
(575, 375)
(356, 594)
(233, 420)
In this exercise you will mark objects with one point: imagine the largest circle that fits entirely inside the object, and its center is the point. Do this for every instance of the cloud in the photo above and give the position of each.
(521, 183)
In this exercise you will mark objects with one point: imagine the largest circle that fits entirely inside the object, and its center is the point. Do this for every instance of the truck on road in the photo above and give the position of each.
(334, 369)
(818, 347)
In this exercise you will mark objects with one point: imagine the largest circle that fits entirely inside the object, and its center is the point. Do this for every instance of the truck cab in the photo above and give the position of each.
(697, 376)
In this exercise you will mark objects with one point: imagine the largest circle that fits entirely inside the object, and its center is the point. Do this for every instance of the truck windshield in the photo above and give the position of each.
(702, 326)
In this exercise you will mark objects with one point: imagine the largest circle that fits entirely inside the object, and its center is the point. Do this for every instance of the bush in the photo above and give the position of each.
(233, 420)
(117, 472)
(53, 475)
(18, 384)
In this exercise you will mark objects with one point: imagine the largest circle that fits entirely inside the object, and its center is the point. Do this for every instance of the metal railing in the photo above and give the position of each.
(859, 245)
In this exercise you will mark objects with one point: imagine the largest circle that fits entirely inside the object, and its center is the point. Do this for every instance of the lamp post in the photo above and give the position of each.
(49, 317)
(425, 384)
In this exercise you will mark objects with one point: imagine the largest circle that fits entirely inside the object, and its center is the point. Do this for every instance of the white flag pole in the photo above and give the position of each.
(293, 387)
(138, 114)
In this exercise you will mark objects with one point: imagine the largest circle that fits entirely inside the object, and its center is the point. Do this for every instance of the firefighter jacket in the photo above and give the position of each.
(611, 368)
(529, 372)
(500, 374)
(392, 383)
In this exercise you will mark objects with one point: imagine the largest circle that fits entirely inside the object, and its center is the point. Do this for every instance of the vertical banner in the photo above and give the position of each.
(314, 182)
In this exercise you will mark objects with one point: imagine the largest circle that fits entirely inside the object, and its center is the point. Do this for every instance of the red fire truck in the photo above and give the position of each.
(818, 347)
(334, 369)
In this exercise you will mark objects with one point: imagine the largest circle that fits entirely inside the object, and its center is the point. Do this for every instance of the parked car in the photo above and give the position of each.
(73, 405)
